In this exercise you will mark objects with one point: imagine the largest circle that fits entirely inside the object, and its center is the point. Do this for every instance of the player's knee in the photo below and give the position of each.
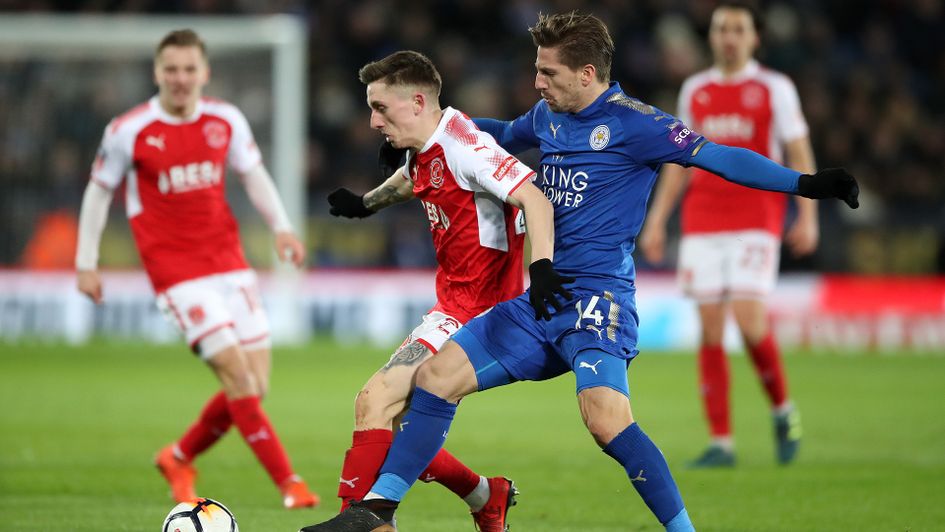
(603, 429)
(373, 408)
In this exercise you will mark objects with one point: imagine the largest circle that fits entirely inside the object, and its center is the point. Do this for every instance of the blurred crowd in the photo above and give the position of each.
(871, 77)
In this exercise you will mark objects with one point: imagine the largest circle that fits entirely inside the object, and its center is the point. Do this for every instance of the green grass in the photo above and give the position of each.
(78, 427)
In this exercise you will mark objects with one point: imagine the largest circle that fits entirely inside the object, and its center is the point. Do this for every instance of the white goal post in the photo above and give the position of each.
(65, 37)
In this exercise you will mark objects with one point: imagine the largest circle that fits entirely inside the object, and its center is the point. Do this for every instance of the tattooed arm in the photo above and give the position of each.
(396, 189)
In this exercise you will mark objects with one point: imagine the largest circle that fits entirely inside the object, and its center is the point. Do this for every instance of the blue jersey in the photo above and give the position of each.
(598, 167)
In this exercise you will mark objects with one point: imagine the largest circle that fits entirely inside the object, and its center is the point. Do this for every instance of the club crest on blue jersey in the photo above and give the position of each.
(600, 137)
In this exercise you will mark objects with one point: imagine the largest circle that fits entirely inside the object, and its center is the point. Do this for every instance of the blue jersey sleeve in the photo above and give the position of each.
(745, 167)
(656, 137)
(515, 136)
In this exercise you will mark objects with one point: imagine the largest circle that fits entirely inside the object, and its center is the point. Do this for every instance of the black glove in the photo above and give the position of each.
(348, 204)
(830, 183)
(546, 282)
(389, 159)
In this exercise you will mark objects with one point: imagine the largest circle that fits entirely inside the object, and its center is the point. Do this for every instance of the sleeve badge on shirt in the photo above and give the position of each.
(600, 137)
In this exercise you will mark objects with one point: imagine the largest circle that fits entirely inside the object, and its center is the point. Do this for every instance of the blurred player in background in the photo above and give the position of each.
(172, 152)
(731, 239)
(600, 153)
(471, 191)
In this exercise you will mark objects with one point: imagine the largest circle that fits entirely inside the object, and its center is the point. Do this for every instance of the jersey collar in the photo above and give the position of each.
(155, 104)
(750, 70)
(613, 88)
(445, 119)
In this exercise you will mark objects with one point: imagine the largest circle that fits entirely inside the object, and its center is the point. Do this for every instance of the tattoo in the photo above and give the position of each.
(383, 196)
(408, 355)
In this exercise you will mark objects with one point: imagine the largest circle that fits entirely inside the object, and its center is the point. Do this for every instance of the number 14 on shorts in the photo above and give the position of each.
(591, 318)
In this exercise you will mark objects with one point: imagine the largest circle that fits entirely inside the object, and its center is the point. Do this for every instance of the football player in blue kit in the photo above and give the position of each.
(600, 154)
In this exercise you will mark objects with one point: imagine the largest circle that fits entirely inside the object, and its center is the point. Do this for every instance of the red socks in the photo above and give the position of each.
(450, 472)
(767, 360)
(249, 418)
(362, 463)
(367, 453)
(213, 423)
(714, 379)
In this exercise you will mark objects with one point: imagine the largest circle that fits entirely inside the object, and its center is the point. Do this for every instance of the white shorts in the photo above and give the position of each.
(435, 329)
(203, 306)
(732, 265)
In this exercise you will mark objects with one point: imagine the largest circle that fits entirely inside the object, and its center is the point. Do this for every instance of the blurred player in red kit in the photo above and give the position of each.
(731, 235)
(172, 152)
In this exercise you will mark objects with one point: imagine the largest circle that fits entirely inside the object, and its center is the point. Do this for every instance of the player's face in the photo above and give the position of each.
(732, 37)
(180, 73)
(558, 84)
(394, 112)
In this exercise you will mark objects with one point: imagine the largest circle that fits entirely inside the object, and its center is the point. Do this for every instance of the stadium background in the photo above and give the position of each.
(866, 313)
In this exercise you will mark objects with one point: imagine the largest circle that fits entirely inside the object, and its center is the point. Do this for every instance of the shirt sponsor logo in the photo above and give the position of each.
(186, 177)
(600, 137)
(436, 173)
(504, 168)
(728, 127)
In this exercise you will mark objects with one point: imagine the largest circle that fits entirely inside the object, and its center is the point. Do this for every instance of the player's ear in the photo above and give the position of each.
(588, 75)
(419, 102)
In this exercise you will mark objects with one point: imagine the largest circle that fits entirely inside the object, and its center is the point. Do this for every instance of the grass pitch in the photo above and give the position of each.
(79, 426)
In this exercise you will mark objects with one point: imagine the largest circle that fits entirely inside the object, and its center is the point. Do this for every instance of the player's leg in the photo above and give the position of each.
(603, 397)
(715, 387)
(197, 310)
(253, 355)
(423, 432)
(753, 280)
(383, 399)
(703, 276)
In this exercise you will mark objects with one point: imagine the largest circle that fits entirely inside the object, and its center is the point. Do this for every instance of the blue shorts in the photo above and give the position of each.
(595, 332)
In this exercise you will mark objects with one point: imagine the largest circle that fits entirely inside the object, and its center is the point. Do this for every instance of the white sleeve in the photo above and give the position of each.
(113, 158)
(243, 155)
(264, 196)
(789, 122)
(487, 166)
(92, 218)
(684, 102)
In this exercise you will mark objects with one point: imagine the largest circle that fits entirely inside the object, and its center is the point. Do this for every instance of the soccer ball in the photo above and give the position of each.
(202, 515)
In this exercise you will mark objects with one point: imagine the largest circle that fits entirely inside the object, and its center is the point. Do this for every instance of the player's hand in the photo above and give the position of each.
(830, 183)
(90, 284)
(546, 282)
(289, 248)
(389, 159)
(348, 204)
(801, 238)
(652, 242)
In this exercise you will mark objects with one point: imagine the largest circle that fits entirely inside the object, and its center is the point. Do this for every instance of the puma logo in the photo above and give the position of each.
(157, 142)
(404, 424)
(261, 434)
(429, 478)
(639, 477)
(349, 483)
(592, 367)
(554, 130)
(599, 331)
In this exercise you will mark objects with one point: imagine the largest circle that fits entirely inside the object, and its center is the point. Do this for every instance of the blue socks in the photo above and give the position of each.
(649, 474)
(424, 431)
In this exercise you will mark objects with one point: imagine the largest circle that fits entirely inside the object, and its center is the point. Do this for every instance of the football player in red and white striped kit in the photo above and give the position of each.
(172, 152)
(731, 235)
(475, 196)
